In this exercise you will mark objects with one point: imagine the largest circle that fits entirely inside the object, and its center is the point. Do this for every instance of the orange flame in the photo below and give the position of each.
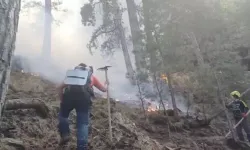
(151, 109)
(164, 77)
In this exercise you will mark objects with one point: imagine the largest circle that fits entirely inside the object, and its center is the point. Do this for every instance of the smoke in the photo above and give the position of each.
(68, 49)
(68, 40)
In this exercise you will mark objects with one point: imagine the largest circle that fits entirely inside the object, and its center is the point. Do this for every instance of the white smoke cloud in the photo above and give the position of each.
(68, 48)
(69, 41)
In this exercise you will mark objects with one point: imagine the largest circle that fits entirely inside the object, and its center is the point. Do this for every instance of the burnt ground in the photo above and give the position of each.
(29, 130)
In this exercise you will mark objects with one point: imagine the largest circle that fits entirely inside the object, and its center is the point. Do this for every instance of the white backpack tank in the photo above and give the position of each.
(77, 77)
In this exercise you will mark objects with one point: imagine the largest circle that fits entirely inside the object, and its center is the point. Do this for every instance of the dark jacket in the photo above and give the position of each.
(238, 107)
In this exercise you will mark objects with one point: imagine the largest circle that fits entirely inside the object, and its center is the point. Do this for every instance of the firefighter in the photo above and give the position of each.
(240, 109)
(75, 93)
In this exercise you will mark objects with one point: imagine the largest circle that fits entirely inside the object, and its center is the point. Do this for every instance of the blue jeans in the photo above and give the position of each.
(81, 103)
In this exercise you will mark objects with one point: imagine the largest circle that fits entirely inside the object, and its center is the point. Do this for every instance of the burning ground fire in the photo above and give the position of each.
(149, 105)
(154, 106)
(152, 109)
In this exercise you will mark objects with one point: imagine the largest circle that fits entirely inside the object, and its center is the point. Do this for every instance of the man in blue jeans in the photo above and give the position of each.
(76, 93)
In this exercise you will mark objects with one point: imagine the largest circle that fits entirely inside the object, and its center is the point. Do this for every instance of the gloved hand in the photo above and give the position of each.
(244, 115)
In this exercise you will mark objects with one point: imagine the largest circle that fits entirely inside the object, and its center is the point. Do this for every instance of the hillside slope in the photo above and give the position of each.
(32, 129)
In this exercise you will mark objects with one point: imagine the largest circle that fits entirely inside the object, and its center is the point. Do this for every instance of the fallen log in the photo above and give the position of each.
(180, 125)
(13, 142)
(41, 108)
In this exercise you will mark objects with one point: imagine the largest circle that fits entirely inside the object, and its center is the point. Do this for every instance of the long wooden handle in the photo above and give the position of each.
(236, 125)
(245, 92)
(109, 111)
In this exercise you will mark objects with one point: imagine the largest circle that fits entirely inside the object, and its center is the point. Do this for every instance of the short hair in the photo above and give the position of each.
(82, 65)
(91, 68)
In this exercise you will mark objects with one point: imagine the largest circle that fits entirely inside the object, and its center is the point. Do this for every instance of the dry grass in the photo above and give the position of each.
(130, 131)
(38, 133)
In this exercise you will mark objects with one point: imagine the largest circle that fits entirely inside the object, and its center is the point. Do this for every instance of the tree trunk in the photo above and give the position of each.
(159, 91)
(171, 90)
(8, 27)
(141, 98)
(118, 22)
(47, 30)
(169, 79)
(201, 64)
(135, 32)
(150, 44)
(224, 105)
(197, 50)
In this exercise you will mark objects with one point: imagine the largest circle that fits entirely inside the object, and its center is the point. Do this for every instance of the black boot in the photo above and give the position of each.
(64, 140)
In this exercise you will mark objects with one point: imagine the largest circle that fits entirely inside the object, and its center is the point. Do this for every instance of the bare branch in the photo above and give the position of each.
(103, 29)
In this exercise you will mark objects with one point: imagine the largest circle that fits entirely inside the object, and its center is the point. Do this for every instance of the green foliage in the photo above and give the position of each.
(88, 15)
(111, 42)
(196, 38)
(108, 31)
(216, 32)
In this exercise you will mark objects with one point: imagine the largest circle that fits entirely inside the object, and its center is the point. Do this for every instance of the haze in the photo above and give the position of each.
(69, 40)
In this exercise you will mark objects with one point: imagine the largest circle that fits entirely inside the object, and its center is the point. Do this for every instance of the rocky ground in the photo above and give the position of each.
(35, 129)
